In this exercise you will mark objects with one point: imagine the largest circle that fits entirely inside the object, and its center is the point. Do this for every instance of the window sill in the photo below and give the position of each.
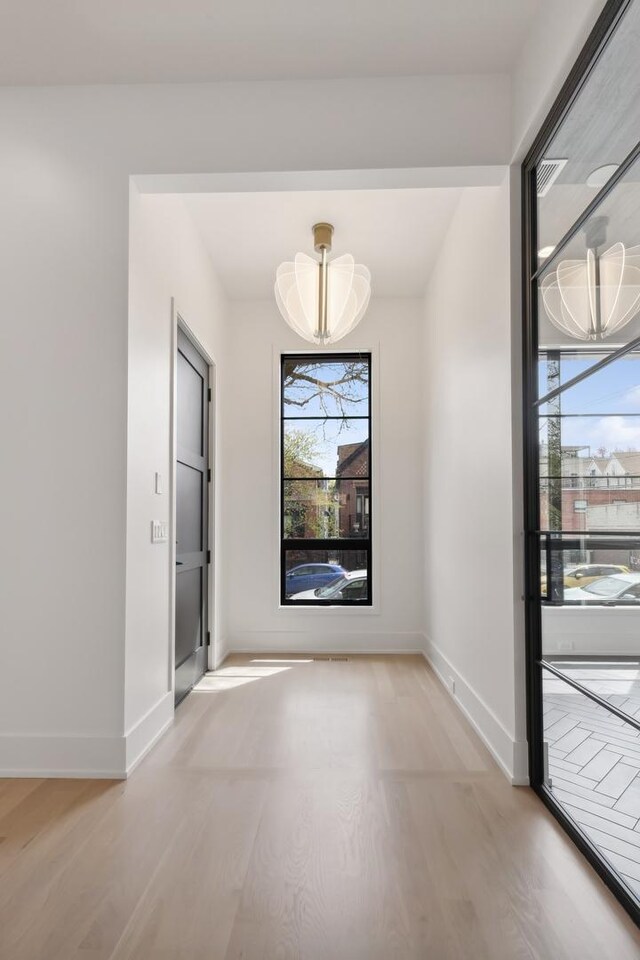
(335, 610)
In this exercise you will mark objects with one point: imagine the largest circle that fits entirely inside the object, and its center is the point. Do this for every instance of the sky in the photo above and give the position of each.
(301, 400)
(615, 391)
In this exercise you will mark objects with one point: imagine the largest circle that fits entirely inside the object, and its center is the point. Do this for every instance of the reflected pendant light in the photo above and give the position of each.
(322, 300)
(594, 298)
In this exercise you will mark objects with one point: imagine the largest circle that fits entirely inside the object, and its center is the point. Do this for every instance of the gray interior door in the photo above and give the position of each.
(192, 521)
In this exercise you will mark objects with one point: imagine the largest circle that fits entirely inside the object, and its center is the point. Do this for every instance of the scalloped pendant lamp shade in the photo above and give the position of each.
(592, 299)
(322, 301)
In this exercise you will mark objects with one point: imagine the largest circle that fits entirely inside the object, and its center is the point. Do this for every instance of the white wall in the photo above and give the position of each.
(469, 548)
(66, 154)
(559, 31)
(392, 329)
(166, 260)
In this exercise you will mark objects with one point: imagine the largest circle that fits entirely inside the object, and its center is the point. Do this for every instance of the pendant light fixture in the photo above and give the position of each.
(594, 298)
(322, 300)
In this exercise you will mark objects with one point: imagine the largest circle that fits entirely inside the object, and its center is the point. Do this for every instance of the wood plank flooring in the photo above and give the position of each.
(311, 810)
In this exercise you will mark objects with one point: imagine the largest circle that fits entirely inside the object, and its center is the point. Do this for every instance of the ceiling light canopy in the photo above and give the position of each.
(601, 175)
(322, 300)
(594, 298)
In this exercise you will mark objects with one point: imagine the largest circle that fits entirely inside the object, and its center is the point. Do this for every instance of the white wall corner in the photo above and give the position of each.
(144, 734)
(559, 30)
(62, 756)
(101, 758)
(221, 652)
(510, 755)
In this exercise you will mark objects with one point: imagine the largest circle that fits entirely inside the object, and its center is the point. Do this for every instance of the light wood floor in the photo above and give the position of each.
(305, 810)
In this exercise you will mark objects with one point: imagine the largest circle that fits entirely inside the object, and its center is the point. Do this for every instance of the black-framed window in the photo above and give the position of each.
(581, 205)
(325, 479)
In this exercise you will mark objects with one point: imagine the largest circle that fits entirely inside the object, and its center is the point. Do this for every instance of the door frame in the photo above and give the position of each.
(179, 323)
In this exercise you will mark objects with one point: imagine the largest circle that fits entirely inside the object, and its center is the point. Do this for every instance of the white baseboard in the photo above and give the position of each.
(511, 755)
(142, 736)
(221, 653)
(298, 641)
(56, 756)
(93, 758)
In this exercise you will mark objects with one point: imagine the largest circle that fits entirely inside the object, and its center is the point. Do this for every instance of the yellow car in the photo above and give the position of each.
(584, 573)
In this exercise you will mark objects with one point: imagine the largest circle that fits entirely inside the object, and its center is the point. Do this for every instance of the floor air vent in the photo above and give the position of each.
(331, 659)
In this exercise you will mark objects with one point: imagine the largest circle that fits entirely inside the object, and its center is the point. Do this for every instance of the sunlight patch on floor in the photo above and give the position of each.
(283, 660)
(235, 676)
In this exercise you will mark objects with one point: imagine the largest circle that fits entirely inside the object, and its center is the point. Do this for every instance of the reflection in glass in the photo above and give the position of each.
(593, 769)
(597, 134)
(326, 448)
(614, 225)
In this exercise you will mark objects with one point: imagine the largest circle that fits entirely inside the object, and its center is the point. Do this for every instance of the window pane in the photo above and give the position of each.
(614, 678)
(589, 571)
(325, 482)
(590, 503)
(563, 287)
(599, 131)
(614, 389)
(592, 445)
(326, 388)
(588, 480)
(594, 772)
(334, 571)
(324, 509)
(326, 448)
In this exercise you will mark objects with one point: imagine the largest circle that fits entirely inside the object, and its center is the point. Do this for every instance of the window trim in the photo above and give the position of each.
(339, 543)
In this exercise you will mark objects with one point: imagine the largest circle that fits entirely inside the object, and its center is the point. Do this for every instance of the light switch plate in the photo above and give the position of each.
(158, 483)
(159, 531)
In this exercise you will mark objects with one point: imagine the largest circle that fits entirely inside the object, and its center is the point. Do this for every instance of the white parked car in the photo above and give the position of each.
(617, 587)
(351, 586)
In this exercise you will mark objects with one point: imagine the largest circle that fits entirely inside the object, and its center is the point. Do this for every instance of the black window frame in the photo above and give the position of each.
(360, 544)
(535, 538)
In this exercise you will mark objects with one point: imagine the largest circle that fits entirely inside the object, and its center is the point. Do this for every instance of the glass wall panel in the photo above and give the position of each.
(589, 445)
(583, 455)
(593, 569)
(616, 681)
(598, 132)
(589, 291)
(593, 770)
(614, 389)
(584, 504)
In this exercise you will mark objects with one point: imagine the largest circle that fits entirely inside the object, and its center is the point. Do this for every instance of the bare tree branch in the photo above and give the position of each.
(340, 391)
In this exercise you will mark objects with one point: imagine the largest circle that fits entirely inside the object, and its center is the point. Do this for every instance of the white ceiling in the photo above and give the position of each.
(396, 233)
(152, 41)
